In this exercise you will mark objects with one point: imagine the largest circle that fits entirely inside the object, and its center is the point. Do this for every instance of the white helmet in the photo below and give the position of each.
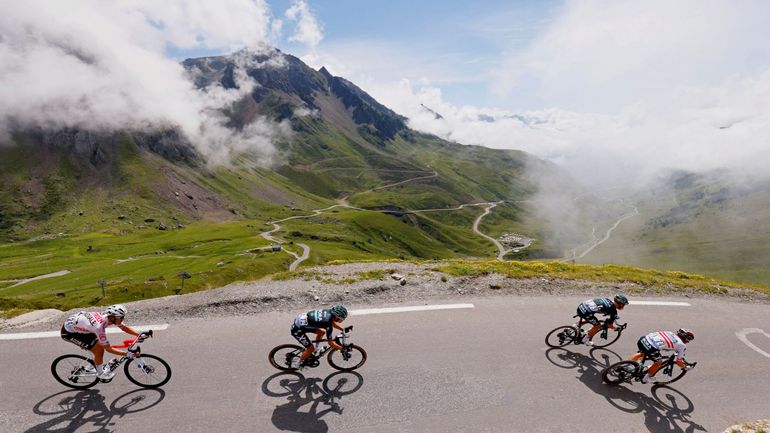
(116, 310)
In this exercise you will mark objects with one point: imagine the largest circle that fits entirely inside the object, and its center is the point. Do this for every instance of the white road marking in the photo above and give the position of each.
(50, 334)
(746, 331)
(665, 303)
(366, 311)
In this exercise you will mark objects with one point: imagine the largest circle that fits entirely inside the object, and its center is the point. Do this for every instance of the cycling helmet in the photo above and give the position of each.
(621, 299)
(339, 311)
(685, 334)
(116, 310)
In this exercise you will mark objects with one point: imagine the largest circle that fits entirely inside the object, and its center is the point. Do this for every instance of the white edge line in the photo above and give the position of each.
(666, 303)
(50, 334)
(366, 311)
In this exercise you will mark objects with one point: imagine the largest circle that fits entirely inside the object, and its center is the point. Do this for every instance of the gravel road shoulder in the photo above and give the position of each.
(348, 283)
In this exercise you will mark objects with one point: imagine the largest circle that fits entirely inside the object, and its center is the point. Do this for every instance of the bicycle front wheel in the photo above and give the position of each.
(148, 371)
(599, 342)
(356, 356)
(73, 371)
(561, 336)
(662, 378)
(618, 372)
(281, 356)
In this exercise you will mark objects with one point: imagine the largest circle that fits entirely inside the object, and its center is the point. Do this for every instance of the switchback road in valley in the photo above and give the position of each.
(495, 374)
(268, 235)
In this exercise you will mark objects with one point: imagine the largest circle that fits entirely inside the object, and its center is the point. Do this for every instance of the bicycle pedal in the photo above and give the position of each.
(106, 380)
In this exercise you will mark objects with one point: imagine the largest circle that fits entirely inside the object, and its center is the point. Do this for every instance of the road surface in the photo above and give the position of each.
(484, 369)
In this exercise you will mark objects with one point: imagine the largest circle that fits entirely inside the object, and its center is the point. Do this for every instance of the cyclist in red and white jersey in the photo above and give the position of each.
(652, 343)
(87, 330)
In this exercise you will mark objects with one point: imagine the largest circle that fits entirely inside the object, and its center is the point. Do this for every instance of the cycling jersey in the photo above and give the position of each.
(599, 305)
(312, 321)
(666, 340)
(89, 323)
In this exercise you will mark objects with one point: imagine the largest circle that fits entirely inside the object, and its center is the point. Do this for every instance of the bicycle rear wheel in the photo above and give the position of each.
(599, 342)
(618, 372)
(561, 336)
(667, 375)
(356, 358)
(148, 371)
(282, 355)
(71, 371)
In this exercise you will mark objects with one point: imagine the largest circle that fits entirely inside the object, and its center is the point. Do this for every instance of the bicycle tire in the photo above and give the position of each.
(669, 379)
(619, 372)
(71, 363)
(339, 363)
(597, 340)
(283, 361)
(560, 340)
(148, 369)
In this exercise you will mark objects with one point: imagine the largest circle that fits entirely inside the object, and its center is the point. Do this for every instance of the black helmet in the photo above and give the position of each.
(685, 334)
(339, 311)
(621, 299)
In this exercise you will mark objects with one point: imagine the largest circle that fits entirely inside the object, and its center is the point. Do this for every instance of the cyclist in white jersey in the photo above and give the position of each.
(87, 330)
(652, 343)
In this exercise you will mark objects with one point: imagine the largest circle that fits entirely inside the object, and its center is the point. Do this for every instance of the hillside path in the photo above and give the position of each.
(607, 235)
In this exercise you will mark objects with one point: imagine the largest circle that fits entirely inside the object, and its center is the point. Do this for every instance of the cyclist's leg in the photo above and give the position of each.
(299, 334)
(319, 335)
(655, 366)
(591, 318)
(83, 341)
(642, 346)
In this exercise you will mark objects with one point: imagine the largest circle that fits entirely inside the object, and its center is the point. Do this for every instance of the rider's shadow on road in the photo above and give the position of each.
(76, 409)
(667, 410)
(300, 391)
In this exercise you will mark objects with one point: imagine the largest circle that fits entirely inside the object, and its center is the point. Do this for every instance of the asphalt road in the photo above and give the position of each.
(485, 369)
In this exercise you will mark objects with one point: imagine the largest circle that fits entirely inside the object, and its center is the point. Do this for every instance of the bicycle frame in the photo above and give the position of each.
(340, 338)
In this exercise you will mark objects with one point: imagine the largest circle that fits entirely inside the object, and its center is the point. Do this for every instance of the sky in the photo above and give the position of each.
(605, 88)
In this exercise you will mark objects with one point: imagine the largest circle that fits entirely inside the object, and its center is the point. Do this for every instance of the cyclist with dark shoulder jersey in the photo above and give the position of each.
(320, 322)
(588, 309)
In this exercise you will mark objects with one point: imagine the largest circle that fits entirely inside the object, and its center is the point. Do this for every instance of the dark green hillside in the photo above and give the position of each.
(108, 205)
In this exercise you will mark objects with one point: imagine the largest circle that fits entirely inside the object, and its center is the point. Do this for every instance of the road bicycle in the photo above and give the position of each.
(349, 358)
(632, 371)
(147, 371)
(566, 334)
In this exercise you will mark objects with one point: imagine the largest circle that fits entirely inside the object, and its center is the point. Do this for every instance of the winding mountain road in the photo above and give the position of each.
(343, 203)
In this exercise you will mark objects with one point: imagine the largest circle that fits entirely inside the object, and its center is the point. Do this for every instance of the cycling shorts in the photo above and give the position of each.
(650, 351)
(588, 317)
(84, 341)
(301, 336)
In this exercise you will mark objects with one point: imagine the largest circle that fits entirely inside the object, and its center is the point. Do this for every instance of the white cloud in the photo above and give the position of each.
(102, 65)
(308, 30)
(602, 56)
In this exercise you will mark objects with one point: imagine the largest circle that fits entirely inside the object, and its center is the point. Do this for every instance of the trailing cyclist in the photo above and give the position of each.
(651, 344)
(587, 312)
(87, 330)
(321, 322)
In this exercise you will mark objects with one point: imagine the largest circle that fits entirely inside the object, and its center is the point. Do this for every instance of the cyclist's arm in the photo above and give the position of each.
(330, 334)
(114, 351)
(680, 361)
(128, 330)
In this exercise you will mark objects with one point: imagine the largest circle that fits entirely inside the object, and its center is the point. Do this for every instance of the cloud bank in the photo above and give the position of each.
(627, 89)
(105, 66)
